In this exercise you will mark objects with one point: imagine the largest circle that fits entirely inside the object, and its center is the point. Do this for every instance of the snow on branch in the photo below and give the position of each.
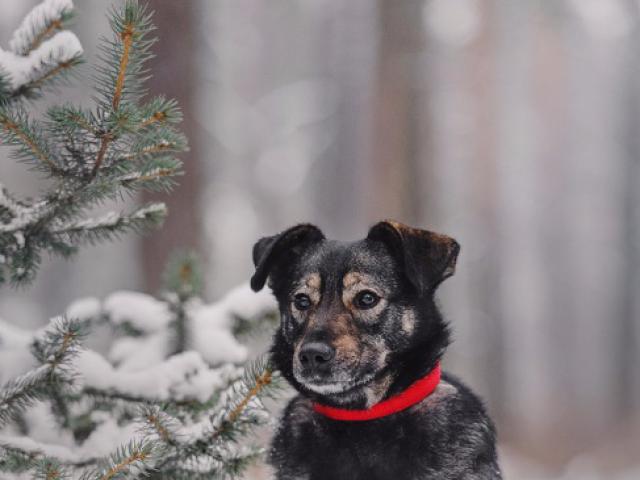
(39, 48)
(54, 348)
(209, 327)
(53, 56)
(17, 214)
(124, 144)
(41, 22)
(104, 440)
(181, 377)
(190, 409)
(111, 223)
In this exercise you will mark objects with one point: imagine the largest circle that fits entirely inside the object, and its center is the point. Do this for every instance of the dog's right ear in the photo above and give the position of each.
(270, 250)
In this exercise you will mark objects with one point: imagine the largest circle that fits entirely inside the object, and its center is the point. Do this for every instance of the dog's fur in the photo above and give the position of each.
(379, 352)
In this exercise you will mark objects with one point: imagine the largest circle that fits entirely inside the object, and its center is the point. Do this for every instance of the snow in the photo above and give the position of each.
(84, 309)
(107, 220)
(211, 324)
(143, 312)
(21, 214)
(103, 441)
(138, 367)
(42, 426)
(245, 303)
(137, 353)
(182, 376)
(150, 209)
(20, 70)
(15, 355)
(215, 344)
(38, 20)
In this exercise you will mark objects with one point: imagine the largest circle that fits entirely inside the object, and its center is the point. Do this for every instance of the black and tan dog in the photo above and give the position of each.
(361, 340)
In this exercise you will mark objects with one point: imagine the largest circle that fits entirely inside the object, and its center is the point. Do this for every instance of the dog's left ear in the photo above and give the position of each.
(269, 251)
(427, 258)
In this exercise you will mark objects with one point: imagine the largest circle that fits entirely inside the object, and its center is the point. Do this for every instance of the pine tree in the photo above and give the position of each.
(120, 146)
(174, 397)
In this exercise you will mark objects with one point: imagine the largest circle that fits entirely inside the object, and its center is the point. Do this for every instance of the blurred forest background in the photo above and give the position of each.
(512, 126)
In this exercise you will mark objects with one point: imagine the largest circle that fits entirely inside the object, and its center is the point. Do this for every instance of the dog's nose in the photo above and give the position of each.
(316, 355)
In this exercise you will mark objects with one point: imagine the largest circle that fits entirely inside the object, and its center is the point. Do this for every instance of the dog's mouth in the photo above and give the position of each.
(332, 387)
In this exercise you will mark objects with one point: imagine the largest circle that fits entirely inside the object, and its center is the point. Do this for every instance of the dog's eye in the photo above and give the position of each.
(366, 299)
(302, 301)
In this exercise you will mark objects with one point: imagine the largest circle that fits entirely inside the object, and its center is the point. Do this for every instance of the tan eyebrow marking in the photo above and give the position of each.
(310, 285)
(313, 281)
(352, 280)
(354, 283)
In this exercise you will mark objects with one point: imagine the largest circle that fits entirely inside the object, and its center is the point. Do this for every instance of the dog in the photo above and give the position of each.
(361, 339)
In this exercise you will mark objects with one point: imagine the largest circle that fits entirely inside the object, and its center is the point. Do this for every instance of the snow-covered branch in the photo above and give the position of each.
(55, 347)
(193, 405)
(51, 58)
(39, 48)
(120, 146)
(41, 22)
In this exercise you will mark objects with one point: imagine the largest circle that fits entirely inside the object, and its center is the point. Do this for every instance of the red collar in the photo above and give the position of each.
(417, 392)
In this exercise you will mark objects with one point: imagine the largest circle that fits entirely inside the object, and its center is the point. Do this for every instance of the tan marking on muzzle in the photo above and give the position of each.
(344, 337)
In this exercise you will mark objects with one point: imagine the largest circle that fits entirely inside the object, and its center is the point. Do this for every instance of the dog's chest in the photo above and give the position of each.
(445, 437)
(376, 450)
(367, 452)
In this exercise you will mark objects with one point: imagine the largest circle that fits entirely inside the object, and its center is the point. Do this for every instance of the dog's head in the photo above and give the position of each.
(354, 314)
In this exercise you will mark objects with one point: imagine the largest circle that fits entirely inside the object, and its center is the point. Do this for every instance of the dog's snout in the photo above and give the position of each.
(316, 355)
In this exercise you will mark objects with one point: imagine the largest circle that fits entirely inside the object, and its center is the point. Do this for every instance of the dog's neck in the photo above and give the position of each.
(412, 366)
(413, 395)
(408, 369)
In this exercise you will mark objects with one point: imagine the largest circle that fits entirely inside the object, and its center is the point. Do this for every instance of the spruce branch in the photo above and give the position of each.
(18, 394)
(51, 72)
(183, 278)
(69, 118)
(183, 274)
(51, 469)
(105, 139)
(127, 40)
(230, 464)
(5, 88)
(16, 460)
(111, 225)
(18, 130)
(160, 424)
(52, 26)
(158, 175)
(128, 462)
(160, 110)
(260, 381)
(120, 147)
(45, 65)
(41, 23)
(189, 438)
(212, 450)
(54, 350)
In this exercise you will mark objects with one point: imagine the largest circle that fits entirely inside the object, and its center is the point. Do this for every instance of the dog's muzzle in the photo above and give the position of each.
(316, 358)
